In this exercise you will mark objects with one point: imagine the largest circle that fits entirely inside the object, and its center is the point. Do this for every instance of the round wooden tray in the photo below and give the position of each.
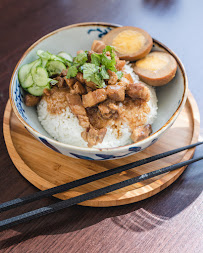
(45, 168)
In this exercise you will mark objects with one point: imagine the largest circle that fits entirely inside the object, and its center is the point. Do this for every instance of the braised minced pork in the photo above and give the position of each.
(138, 90)
(94, 136)
(113, 77)
(116, 92)
(94, 97)
(80, 78)
(98, 46)
(31, 100)
(56, 100)
(78, 88)
(119, 102)
(77, 108)
(141, 133)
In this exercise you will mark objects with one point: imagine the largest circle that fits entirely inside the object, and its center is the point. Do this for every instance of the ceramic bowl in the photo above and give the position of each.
(171, 97)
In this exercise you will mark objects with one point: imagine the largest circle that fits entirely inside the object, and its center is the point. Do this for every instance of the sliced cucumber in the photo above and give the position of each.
(36, 90)
(24, 71)
(35, 65)
(48, 56)
(28, 82)
(55, 67)
(43, 54)
(40, 76)
(34, 77)
(44, 62)
(66, 56)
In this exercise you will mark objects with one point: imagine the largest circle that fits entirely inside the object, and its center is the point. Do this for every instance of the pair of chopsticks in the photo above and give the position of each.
(25, 217)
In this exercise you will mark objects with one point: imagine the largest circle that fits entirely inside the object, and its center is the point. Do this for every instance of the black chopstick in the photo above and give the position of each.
(25, 217)
(61, 188)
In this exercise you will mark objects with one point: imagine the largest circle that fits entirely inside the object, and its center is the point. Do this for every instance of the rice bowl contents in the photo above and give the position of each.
(64, 126)
(94, 99)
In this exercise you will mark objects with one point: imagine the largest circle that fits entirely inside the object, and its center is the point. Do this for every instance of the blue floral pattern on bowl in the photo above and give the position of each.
(101, 32)
(100, 157)
(107, 157)
(18, 98)
(135, 149)
(81, 156)
(46, 143)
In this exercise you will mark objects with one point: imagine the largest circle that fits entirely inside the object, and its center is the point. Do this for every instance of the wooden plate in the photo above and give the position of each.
(45, 168)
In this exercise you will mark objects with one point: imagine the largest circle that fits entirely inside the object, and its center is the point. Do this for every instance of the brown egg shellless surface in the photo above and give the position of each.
(132, 42)
(156, 69)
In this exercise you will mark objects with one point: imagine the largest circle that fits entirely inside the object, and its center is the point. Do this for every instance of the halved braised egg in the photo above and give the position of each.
(131, 43)
(156, 69)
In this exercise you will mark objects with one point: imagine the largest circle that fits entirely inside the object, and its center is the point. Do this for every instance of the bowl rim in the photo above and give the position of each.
(87, 149)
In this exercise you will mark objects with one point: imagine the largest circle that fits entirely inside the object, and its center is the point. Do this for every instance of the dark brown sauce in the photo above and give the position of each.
(132, 112)
(109, 113)
(56, 101)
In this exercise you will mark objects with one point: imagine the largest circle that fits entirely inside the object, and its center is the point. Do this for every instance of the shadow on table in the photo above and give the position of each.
(138, 217)
(161, 4)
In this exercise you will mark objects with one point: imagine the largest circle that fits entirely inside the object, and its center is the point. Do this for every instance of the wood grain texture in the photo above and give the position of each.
(45, 168)
(168, 222)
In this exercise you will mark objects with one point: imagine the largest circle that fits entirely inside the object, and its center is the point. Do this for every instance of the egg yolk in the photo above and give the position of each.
(128, 42)
(152, 63)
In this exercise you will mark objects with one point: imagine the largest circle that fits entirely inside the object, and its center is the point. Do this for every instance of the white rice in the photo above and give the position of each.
(65, 126)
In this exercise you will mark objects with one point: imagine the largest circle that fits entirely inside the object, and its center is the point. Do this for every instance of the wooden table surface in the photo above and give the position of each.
(172, 220)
